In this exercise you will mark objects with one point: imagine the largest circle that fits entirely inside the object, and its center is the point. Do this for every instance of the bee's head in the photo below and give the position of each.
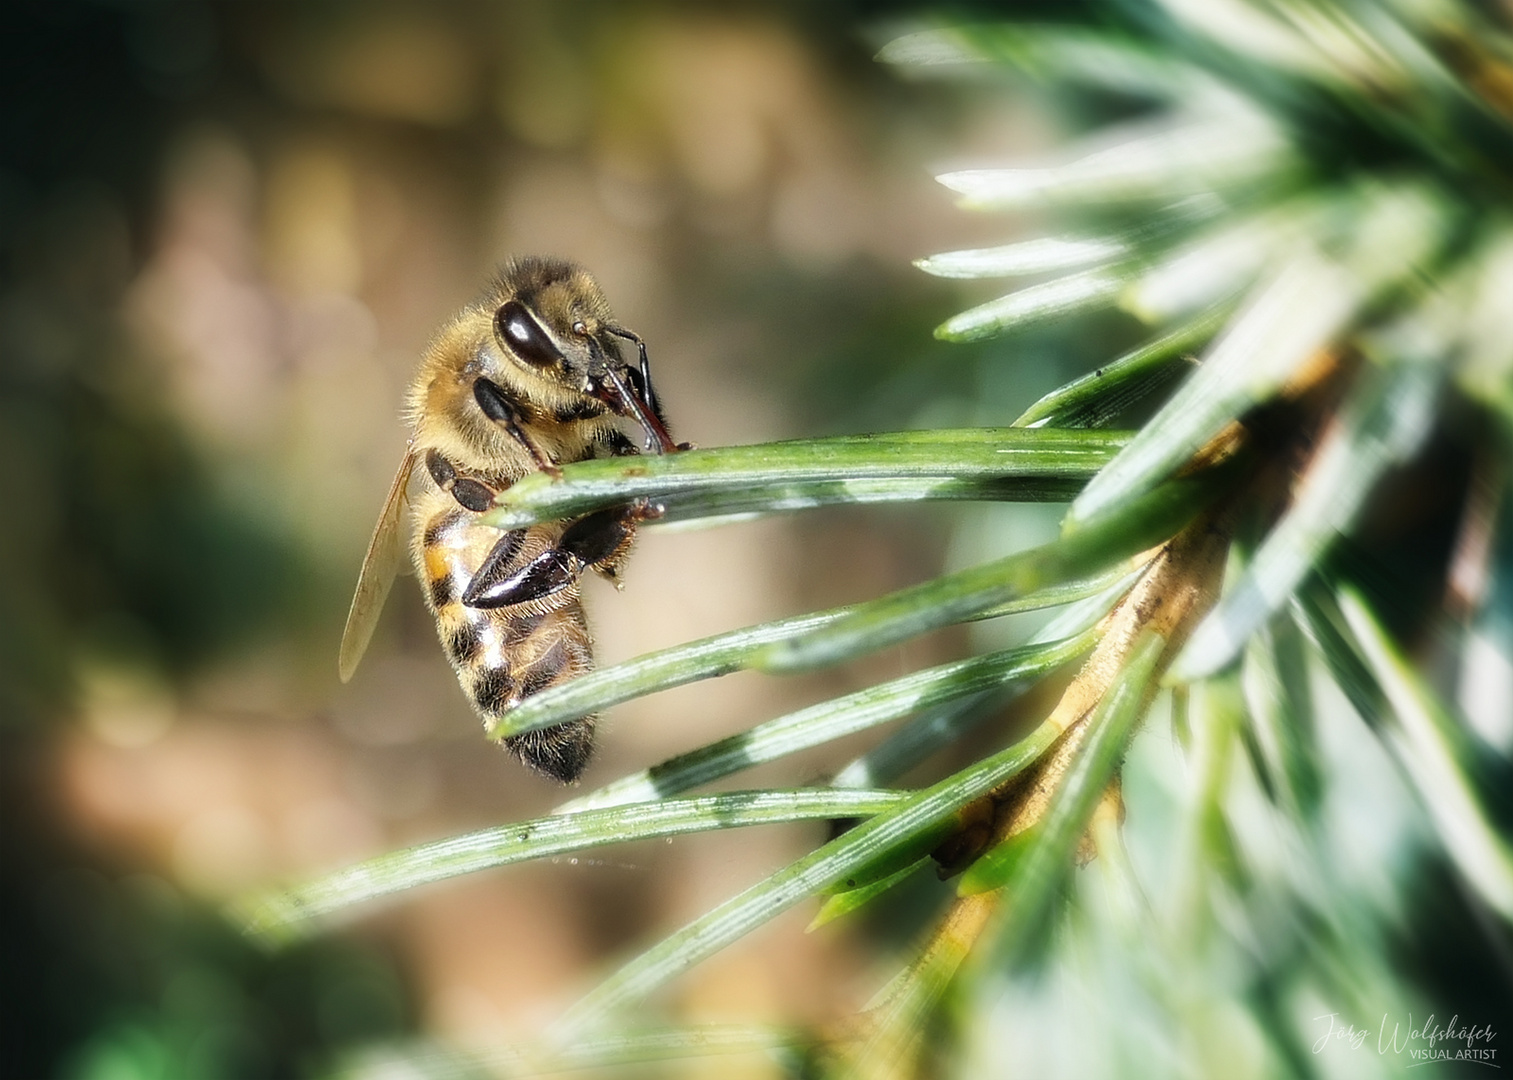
(553, 321)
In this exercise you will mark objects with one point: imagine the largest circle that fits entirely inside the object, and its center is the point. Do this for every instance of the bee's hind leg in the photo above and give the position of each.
(503, 580)
(600, 540)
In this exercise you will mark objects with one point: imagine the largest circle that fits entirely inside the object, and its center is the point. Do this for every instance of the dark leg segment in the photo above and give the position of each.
(594, 538)
(442, 471)
(502, 585)
(470, 494)
(498, 408)
(499, 578)
(597, 540)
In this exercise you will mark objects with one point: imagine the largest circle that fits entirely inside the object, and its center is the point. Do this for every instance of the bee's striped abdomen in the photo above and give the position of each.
(505, 654)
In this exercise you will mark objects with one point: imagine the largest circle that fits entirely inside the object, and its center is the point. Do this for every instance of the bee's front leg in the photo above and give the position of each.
(498, 407)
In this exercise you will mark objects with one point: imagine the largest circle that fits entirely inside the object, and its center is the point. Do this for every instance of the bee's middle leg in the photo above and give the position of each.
(470, 494)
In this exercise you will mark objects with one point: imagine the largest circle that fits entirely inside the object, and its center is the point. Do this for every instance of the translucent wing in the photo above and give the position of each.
(379, 565)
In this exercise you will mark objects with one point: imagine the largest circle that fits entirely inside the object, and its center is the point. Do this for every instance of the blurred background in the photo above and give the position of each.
(227, 230)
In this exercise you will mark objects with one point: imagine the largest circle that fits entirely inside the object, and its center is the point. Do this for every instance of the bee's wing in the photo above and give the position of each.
(379, 565)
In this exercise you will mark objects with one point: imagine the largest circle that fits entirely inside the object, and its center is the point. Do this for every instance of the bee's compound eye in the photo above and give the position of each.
(519, 330)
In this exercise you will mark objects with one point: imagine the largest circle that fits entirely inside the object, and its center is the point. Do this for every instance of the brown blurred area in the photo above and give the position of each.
(308, 191)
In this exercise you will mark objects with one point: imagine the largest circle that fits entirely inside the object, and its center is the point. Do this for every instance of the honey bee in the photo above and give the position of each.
(525, 379)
